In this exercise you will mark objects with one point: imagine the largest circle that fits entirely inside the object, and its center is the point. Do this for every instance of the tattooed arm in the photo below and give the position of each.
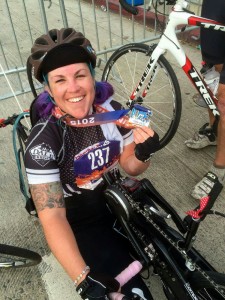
(50, 205)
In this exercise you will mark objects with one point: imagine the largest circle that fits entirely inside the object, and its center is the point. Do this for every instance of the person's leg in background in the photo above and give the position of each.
(220, 151)
(213, 52)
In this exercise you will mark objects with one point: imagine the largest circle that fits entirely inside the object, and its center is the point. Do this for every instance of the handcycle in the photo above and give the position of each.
(141, 74)
(11, 256)
(142, 214)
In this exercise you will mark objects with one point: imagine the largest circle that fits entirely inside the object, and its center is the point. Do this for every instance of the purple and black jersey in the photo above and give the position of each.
(75, 156)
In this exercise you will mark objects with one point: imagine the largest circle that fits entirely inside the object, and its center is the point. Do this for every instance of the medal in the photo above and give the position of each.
(140, 115)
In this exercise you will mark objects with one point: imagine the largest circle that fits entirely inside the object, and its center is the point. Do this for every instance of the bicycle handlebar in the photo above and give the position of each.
(10, 120)
(134, 10)
(2, 123)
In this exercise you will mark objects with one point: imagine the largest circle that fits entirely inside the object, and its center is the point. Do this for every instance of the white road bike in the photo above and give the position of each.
(140, 73)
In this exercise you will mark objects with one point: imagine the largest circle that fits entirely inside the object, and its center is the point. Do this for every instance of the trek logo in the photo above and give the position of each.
(213, 26)
(42, 154)
(206, 96)
(146, 72)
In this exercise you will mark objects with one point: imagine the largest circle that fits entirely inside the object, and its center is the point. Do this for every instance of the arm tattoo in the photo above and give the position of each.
(47, 195)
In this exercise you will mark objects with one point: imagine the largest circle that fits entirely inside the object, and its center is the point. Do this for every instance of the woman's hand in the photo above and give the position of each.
(135, 156)
(147, 143)
(142, 133)
(97, 286)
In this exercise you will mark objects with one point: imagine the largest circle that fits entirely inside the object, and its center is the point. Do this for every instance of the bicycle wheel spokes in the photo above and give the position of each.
(123, 75)
(124, 70)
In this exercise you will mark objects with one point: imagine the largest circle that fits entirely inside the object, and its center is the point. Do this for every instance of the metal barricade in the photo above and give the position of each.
(102, 21)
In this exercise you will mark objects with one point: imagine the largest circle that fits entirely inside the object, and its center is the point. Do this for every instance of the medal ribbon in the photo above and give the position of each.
(103, 116)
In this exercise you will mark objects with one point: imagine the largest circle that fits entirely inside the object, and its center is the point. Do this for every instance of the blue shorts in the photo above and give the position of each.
(212, 41)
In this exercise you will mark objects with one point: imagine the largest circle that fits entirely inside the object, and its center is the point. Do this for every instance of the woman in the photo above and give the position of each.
(65, 162)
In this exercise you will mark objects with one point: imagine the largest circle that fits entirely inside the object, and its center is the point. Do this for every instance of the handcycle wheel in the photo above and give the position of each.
(124, 70)
(15, 257)
(204, 290)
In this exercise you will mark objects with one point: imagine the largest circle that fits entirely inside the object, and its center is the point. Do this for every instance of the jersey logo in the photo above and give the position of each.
(42, 154)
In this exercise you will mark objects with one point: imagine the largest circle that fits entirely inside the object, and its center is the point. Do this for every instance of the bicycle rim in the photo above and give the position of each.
(204, 290)
(15, 257)
(124, 70)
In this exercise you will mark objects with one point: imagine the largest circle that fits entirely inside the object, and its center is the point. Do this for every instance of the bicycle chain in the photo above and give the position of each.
(136, 206)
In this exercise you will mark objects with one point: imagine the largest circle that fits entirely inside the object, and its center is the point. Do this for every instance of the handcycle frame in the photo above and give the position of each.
(169, 251)
(155, 243)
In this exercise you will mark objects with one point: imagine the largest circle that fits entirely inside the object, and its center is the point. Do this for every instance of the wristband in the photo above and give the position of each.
(87, 268)
(144, 151)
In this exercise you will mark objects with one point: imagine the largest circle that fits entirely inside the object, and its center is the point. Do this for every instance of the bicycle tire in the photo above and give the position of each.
(124, 70)
(16, 257)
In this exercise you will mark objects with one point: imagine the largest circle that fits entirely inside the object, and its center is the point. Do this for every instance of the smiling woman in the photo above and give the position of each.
(76, 139)
(72, 88)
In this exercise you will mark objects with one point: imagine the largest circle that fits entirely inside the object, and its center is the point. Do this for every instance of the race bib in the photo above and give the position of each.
(92, 162)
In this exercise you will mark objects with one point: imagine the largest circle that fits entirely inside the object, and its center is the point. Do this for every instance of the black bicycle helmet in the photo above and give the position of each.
(59, 48)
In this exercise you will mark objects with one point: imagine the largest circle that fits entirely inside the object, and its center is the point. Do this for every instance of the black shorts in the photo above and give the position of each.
(106, 252)
(102, 248)
(213, 41)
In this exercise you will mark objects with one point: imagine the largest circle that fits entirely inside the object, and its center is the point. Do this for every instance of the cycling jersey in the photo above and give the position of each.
(75, 156)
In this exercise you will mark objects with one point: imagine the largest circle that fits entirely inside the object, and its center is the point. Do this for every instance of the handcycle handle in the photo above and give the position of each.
(133, 269)
(129, 8)
(2, 123)
(10, 120)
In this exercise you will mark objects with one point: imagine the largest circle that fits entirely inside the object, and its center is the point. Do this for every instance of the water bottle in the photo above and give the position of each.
(212, 77)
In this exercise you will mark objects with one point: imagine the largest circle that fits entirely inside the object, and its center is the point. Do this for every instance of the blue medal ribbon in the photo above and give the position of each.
(123, 117)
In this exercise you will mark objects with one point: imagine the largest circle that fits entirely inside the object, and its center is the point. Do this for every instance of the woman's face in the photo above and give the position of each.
(72, 88)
